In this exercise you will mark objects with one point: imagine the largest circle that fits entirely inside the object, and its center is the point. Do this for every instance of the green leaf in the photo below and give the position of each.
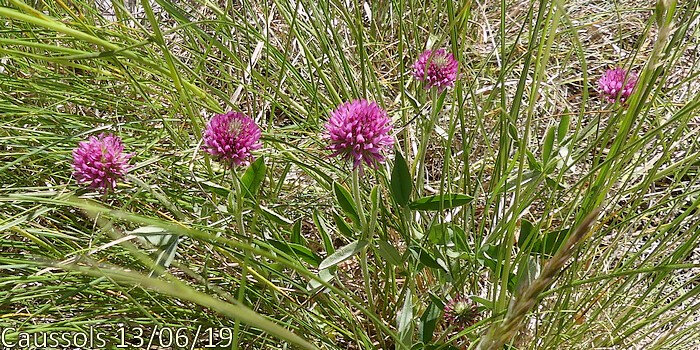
(488, 256)
(274, 216)
(459, 237)
(513, 132)
(216, 188)
(404, 321)
(387, 251)
(439, 302)
(323, 231)
(346, 203)
(428, 322)
(528, 234)
(448, 201)
(491, 257)
(440, 102)
(528, 269)
(401, 181)
(342, 254)
(550, 243)
(440, 234)
(297, 250)
(426, 258)
(154, 235)
(548, 145)
(325, 275)
(532, 162)
(253, 177)
(413, 101)
(563, 128)
(554, 184)
(296, 233)
(375, 198)
(166, 254)
(343, 226)
(485, 303)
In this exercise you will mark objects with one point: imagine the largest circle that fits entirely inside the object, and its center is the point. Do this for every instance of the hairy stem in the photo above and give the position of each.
(365, 234)
(238, 214)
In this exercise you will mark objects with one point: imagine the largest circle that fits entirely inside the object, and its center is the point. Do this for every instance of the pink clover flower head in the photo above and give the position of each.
(613, 84)
(436, 68)
(359, 131)
(100, 162)
(231, 137)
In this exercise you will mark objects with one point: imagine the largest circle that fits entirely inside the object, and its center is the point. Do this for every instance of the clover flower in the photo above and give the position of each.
(612, 84)
(359, 131)
(100, 162)
(436, 68)
(231, 137)
(461, 312)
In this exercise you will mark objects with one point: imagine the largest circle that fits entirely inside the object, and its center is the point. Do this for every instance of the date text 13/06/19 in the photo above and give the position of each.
(170, 337)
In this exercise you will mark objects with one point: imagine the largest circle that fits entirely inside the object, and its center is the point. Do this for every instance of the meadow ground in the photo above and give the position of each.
(518, 206)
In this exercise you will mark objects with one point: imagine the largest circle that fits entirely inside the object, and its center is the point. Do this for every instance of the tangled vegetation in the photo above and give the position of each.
(350, 174)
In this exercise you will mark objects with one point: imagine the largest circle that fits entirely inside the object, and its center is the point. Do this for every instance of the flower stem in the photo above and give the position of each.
(238, 215)
(358, 200)
(427, 130)
(364, 234)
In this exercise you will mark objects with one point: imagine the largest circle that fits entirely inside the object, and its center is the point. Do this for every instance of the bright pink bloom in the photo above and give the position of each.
(612, 84)
(100, 161)
(231, 137)
(461, 312)
(442, 71)
(359, 131)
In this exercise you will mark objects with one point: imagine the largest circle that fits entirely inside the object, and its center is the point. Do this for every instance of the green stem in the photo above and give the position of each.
(358, 200)
(365, 234)
(427, 130)
(238, 214)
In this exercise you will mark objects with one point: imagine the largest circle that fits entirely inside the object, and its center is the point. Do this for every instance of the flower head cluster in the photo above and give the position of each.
(231, 137)
(436, 68)
(461, 312)
(613, 84)
(359, 131)
(100, 161)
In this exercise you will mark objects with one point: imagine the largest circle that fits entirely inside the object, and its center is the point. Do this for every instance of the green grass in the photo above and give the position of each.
(523, 136)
